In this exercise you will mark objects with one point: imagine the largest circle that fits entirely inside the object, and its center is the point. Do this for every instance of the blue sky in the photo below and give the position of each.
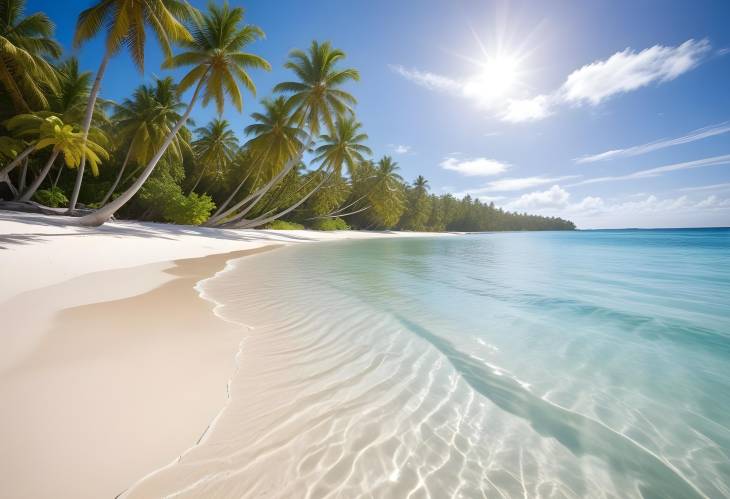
(610, 113)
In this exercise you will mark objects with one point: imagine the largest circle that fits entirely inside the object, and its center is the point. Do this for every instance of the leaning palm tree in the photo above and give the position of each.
(67, 102)
(143, 121)
(25, 43)
(219, 65)
(215, 147)
(343, 147)
(275, 139)
(317, 99)
(63, 139)
(125, 23)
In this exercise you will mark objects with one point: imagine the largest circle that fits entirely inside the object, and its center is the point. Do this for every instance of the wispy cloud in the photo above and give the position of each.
(400, 148)
(711, 187)
(590, 84)
(474, 167)
(513, 184)
(431, 81)
(699, 134)
(629, 70)
(658, 171)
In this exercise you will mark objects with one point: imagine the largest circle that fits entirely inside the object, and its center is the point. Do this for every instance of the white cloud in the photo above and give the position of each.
(647, 211)
(658, 171)
(400, 148)
(699, 134)
(591, 84)
(474, 167)
(555, 197)
(628, 70)
(521, 110)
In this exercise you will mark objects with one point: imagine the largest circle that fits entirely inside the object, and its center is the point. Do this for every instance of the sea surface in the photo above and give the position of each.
(553, 364)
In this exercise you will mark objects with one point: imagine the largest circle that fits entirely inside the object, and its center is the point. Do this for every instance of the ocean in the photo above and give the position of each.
(523, 364)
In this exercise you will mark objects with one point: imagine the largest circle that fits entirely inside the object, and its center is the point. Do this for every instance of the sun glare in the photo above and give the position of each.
(498, 78)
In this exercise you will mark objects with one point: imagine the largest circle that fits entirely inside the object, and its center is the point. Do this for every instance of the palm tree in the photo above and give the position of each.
(125, 23)
(316, 99)
(275, 139)
(144, 121)
(386, 194)
(215, 52)
(25, 42)
(67, 102)
(216, 146)
(63, 139)
(420, 185)
(344, 147)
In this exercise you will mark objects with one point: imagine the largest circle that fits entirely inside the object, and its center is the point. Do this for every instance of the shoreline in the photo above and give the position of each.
(113, 362)
(78, 394)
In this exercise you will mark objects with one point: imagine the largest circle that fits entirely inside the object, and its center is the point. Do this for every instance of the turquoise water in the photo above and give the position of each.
(556, 364)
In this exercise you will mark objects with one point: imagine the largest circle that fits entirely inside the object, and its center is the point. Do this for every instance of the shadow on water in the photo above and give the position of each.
(581, 435)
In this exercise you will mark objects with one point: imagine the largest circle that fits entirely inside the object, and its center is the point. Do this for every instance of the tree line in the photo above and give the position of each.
(304, 158)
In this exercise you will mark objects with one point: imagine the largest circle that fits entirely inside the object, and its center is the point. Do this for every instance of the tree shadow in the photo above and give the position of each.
(122, 228)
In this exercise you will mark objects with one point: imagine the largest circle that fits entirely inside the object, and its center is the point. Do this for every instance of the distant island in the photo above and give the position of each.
(66, 149)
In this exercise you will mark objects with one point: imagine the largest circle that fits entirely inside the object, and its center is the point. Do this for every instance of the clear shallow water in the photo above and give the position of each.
(583, 364)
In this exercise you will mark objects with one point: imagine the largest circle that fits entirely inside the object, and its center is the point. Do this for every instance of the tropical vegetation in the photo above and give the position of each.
(301, 160)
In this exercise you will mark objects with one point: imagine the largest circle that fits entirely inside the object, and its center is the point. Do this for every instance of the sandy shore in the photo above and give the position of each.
(111, 365)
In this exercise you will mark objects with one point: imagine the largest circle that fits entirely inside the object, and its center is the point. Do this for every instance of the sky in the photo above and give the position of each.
(609, 113)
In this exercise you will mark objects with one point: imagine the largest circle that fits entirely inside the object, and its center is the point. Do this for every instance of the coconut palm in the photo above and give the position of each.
(218, 66)
(143, 121)
(67, 102)
(25, 43)
(316, 99)
(125, 23)
(343, 147)
(63, 139)
(215, 147)
(275, 139)
(420, 185)
(386, 193)
(317, 95)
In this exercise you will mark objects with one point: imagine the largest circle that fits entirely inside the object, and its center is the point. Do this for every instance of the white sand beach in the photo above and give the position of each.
(111, 365)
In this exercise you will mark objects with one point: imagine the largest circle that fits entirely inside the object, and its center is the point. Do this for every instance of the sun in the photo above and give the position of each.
(498, 78)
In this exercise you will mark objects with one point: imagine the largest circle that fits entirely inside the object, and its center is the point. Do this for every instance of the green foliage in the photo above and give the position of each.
(284, 225)
(330, 224)
(53, 197)
(192, 209)
(164, 196)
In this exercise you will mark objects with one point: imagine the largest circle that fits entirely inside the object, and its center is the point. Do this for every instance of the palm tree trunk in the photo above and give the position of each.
(116, 180)
(58, 176)
(256, 196)
(257, 222)
(23, 175)
(4, 173)
(105, 212)
(86, 125)
(233, 195)
(200, 177)
(39, 179)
